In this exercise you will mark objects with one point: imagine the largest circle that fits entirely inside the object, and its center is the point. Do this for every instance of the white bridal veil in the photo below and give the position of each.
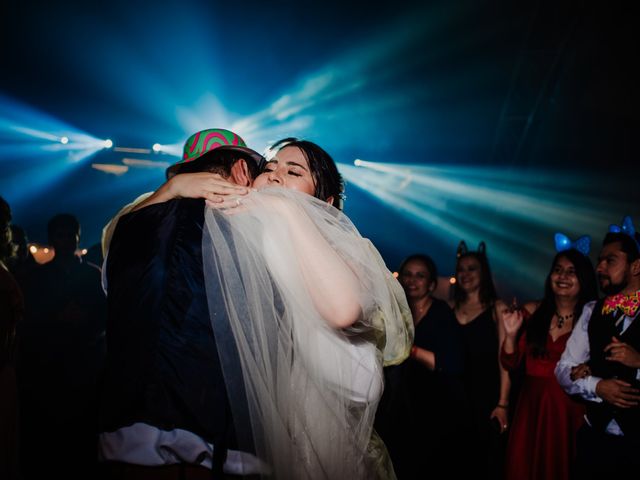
(303, 390)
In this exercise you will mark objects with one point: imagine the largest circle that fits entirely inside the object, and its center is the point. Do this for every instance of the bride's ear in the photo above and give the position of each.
(240, 173)
(330, 200)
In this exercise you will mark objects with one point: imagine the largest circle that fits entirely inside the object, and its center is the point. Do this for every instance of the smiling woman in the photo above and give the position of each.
(546, 420)
(477, 310)
(431, 381)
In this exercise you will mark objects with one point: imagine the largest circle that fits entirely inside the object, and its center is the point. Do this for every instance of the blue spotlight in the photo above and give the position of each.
(156, 147)
(49, 151)
(108, 143)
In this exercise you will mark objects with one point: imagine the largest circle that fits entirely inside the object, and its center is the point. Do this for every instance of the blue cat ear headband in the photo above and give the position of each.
(626, 227)
(582, 244)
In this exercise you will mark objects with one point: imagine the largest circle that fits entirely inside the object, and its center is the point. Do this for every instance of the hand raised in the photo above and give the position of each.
(511, 319)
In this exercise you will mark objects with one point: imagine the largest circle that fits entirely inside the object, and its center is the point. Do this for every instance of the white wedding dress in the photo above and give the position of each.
(303, 392)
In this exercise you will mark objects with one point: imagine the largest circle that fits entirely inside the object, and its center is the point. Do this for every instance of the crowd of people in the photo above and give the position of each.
(238, 325)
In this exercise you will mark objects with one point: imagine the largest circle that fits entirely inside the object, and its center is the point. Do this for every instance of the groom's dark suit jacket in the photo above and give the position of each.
(162, 364)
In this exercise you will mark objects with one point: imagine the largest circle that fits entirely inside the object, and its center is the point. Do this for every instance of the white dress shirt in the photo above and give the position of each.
(143, 444)
(577, 352)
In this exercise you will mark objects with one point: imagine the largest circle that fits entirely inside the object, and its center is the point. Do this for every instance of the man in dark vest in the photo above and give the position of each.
(165, 409)
(601, 363)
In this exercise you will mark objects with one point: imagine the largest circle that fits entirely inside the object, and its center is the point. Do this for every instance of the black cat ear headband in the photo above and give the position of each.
(462, 248)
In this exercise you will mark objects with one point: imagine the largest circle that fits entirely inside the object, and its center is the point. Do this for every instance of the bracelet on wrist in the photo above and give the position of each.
(503, 406)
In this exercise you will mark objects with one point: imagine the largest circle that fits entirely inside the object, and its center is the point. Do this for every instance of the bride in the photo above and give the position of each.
(313, 316)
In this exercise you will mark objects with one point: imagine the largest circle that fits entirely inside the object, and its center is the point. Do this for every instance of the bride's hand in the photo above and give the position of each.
(210, 186)
(232, 204)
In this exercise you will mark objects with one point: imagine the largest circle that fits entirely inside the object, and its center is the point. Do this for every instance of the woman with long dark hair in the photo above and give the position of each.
(542, 438)
(313, 316)
(478, 309)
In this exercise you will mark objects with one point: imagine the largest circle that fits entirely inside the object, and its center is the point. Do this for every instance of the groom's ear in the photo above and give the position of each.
(330, 200)
(635, 267)
(240, 173)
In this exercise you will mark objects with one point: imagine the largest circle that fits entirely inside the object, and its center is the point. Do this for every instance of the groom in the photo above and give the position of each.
(165, 408)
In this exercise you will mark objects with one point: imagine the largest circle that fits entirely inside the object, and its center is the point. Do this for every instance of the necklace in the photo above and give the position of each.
(562, 319)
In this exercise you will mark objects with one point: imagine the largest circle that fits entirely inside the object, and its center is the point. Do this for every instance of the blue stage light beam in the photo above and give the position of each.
(33, 152)
(316, 104)
(174, 150)
(514, 211)
(330, 98)
(509, 193)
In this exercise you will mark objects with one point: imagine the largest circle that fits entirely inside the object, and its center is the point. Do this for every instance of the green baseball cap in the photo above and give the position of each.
(203, 142)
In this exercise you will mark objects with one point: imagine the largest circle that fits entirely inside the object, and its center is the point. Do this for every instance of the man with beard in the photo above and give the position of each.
(601, 363)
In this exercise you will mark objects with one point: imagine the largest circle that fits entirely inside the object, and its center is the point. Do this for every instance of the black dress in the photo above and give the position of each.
(482, 384)
(425, 412)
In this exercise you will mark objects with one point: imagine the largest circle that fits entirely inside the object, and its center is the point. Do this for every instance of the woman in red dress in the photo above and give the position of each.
(542, 439)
